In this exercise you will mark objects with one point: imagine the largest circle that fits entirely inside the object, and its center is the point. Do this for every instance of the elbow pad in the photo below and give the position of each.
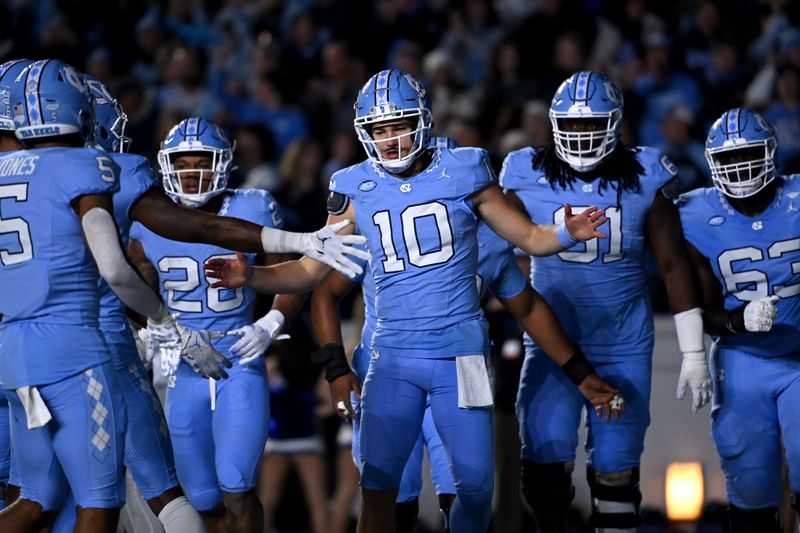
(103, 240)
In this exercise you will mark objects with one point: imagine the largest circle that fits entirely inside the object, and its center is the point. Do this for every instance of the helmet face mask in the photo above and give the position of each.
(111, 120)
(388, 97)
(195, 161)
(586, 116)
(740, 151)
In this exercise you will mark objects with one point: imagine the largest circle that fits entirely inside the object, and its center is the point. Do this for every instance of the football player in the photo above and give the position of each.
(598, 290)
(743, 238)
(67, 425)
(218, 429)
(419, 208)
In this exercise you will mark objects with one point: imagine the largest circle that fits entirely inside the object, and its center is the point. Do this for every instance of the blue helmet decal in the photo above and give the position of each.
(590, 98)
(8, 75)
(392, 95)
(50, 99)
(199, 137)
(740, 151)
(110, 119)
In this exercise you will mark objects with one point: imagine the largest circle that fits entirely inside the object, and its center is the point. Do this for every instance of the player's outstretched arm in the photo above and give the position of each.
(161, 215)
(102, 236)
(666, 239)
(289, 277)
(536, 239)
(536, 317)
(325, 302)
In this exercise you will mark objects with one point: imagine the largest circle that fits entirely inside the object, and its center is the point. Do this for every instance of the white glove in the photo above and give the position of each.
(197, 351)
(163, 337)
(256, 338)
(145, 355)
(694, 374)
(327, 246)
(694, 368)
(760, 314)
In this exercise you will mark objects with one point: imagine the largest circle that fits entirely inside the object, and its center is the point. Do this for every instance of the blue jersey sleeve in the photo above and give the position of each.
(477, 165)
(661, 173)
(509, 281)
(87, 171)
(136, 231)
(141, 178)
(516, 167)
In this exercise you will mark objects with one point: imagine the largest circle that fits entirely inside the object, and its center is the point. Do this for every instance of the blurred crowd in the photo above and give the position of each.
(281, 77)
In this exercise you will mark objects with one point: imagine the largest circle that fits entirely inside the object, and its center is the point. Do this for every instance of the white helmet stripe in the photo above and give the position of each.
(733, 124)
(582, 87)
(32, 104)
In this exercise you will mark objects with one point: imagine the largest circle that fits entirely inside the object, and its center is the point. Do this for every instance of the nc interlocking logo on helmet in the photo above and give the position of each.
(197, 137)
(740, 150)
(591, 98)
(50, 98)
(392, 95)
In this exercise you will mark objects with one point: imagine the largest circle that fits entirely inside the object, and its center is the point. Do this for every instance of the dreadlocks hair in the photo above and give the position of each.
(620, 170)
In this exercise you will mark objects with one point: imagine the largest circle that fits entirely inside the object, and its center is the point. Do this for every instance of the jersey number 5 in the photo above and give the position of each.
(408, 222)
(18, 192)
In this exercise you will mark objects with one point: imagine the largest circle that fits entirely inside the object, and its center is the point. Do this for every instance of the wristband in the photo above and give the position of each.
(734, 320)
(334, 360)
(578, 367)
(564, 238)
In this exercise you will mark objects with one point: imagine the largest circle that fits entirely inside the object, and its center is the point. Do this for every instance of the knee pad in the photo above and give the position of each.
(615, 498)
(445, 503)
(548, 486)
(405, 515)
(761, 520)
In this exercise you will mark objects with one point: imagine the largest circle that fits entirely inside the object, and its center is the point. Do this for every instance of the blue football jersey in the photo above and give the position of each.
(182, 279)
(136, 178)
(422, 235)
(497, 271)
(752, 257)
(597, 289)
(47, 274)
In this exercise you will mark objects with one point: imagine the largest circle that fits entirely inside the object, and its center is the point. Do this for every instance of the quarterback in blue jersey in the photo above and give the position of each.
(598, 291)
(419, 208)
(55, 366)
(744, 240)
(218, 429)
(497, 272)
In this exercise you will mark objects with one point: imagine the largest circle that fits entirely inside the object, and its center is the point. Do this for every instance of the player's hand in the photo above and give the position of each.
(583, 227)
(605, 398)
(230, 273)
(694, 375)
(760, 314)
(200, 355)
(340, 394)
(143, 348)
(327, 246)
(256, 338)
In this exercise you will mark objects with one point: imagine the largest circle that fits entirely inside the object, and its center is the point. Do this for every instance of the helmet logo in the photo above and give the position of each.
(74, 78)
(416, 85)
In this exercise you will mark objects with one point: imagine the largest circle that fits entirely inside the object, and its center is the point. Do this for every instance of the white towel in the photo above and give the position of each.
(36, 411)
(474, 389)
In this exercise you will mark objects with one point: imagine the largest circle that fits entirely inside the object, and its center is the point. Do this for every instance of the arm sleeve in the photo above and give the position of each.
(103, 239)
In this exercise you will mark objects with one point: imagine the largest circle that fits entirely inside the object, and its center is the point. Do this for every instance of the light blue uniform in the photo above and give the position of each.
(757, 375)
(50, 333)
(148, 451)
(215, 451)
(598, 291)
(422, 237)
